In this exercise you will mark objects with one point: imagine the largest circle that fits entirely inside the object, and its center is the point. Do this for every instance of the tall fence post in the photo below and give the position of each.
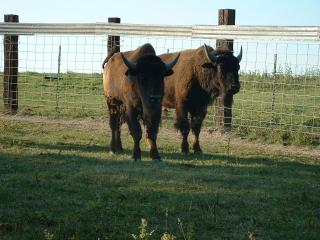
(223, 107)
(10, 74)
(226, 17)
(113, 41)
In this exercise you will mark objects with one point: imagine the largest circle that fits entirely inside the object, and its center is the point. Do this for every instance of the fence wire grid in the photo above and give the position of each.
(280, 79)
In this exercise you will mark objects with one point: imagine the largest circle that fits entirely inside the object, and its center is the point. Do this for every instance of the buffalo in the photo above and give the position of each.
(133, 85)
(200, 76)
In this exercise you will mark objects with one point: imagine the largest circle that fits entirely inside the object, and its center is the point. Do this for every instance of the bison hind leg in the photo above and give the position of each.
(196, 123)
(184, 128)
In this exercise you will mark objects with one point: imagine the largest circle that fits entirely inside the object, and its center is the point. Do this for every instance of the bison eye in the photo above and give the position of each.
(207, 65)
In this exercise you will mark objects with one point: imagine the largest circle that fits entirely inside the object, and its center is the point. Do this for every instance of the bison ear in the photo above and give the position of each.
(168, 73)
(131, 74)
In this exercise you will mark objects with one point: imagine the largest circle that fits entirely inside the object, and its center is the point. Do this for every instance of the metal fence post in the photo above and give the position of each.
(274, 87)
(58, 80)
(223, 107)
(10, 75)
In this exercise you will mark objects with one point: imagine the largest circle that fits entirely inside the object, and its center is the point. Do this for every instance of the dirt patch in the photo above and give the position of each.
(84, 123)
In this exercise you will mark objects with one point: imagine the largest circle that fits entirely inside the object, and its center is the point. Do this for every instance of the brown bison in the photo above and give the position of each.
(133, 87)
(200, 76)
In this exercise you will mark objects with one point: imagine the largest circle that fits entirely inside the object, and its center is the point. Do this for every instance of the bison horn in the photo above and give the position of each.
(211, 56)
(130, 65)
(240, 55)
(170, 65)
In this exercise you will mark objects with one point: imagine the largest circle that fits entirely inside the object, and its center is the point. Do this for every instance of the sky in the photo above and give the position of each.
(186, 12)
(39, 53)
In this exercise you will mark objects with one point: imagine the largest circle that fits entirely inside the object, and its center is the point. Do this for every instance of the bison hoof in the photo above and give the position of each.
(137, 159)
(154, 155)
(115, 151)
(185, 151)
(198, 151)
(156, 159)
(185, 147)
(120, 150)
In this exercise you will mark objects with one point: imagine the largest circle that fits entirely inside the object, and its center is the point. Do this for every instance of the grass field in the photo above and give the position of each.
(59, 181)
(283, 109)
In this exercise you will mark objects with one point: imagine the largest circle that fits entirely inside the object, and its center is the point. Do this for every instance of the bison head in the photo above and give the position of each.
(226, 72)
(148, 73)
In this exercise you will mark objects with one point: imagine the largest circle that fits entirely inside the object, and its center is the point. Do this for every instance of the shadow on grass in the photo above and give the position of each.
(189, 160)
(54, 146)
(101, 195)
(185, 160)
(74, 153)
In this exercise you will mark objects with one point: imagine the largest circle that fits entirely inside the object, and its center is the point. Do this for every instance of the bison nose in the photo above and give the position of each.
(154, 99)
(235, 88)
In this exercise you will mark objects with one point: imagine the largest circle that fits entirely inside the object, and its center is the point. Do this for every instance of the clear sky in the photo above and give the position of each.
(39, 53)
(186, 12)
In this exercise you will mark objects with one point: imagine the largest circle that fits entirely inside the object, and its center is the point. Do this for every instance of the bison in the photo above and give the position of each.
(201, 75)
(133, 88)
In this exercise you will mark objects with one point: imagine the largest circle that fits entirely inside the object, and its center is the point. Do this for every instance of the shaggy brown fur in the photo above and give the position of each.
(133, 94)
(195, 83)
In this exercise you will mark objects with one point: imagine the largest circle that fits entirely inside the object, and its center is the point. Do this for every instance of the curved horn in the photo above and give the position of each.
(130, 65)
(211, 57)
(170, 65)
(240, 55)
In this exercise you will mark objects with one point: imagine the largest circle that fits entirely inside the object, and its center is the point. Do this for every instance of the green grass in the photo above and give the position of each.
(289, 114)
(58, 179)
(76, 95)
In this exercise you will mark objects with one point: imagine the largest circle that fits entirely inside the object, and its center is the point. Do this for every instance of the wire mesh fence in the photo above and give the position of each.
(61, 75)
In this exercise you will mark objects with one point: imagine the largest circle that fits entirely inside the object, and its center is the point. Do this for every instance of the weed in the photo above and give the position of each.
(144, 232)
(48, 235)
(168, 236)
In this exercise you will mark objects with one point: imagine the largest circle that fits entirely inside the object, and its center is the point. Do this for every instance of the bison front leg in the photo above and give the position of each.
(115, 123)
(196, 122)
(135, 131)
(116, 145)
(182, 124)
(151, 135)
(154, 153)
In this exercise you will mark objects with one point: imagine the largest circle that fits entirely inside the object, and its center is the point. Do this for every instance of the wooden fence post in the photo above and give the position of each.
(226, 17)
(223, 107)
(10, 75)
(113, 41)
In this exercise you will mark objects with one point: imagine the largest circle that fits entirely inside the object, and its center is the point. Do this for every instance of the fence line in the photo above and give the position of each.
(194, 31)
(284, 98)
